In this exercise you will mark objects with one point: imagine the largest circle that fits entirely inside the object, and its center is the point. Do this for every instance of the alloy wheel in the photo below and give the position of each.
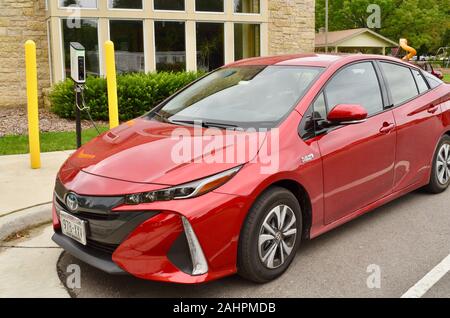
(277, 236)
(443, 164)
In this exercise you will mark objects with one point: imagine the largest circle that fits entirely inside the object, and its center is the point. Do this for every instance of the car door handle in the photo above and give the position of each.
(387, 128)
(432, 109)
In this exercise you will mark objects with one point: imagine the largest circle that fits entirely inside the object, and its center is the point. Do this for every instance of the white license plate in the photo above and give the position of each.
(73, 227)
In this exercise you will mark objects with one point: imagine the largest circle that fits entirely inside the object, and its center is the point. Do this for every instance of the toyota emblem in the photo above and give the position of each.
(72, 202)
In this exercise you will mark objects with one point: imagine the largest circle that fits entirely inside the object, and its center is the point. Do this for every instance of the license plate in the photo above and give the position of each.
(73, 227)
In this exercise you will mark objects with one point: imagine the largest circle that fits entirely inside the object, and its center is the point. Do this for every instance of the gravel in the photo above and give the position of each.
(14, 121)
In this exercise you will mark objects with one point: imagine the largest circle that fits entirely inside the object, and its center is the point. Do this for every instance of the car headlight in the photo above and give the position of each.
(185, 191)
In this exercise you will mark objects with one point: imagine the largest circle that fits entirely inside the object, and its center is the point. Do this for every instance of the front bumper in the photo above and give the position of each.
(91, 256)
(151, 242)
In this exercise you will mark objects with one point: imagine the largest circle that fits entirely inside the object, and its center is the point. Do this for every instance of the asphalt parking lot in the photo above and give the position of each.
(405, 240)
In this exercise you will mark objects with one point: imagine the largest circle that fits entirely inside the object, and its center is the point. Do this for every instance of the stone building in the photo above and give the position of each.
(148, 35)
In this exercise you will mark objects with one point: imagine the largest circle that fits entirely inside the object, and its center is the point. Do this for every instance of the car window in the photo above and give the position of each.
(247, 96)
(320, 108)
(306, 129)
(400, 81)
(421, 84)
(356, 84)
(312, 120)
(433, 80)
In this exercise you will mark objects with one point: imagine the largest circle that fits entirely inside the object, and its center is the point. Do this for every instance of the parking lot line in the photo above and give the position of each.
(428, 281)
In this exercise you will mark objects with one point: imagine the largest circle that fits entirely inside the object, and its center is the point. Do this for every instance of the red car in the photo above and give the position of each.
(337, 136)
(426, 66)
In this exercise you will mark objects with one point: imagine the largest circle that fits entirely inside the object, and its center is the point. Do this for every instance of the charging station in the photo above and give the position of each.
(78, 75)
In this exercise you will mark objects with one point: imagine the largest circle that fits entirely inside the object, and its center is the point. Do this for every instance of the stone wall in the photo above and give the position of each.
(291, 26)
(21, 20)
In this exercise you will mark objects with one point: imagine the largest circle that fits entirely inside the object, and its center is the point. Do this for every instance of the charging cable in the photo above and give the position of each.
(83, 107)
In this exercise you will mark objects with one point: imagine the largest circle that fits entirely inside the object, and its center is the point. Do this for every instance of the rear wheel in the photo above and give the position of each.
(440, 174)
(270, 236)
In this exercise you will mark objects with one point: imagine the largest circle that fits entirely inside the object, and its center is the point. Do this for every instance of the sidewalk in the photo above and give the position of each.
(29, 264)
(22, 187)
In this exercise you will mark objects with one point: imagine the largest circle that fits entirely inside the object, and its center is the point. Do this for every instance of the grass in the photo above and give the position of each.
(50, 141)
(447, 78)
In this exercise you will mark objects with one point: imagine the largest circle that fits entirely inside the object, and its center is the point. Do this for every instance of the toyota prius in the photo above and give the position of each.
(232, 173)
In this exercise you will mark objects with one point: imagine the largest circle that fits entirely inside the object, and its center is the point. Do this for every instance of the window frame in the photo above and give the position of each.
(144, 35)
(171, 11)
(427, 79)
(126, 9)
(249, 13)
(383, 91)
(424, 79)
(260, 36)
(197, 22)
(154, 39)
(391, 101)
(209, 12)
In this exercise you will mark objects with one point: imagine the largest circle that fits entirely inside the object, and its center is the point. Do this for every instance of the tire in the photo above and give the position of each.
(255, 261)
(440, 179)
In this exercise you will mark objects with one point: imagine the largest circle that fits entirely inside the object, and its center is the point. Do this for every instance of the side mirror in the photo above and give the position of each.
(345, 114)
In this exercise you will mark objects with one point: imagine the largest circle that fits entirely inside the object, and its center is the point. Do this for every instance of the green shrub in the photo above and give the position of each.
(138, 93)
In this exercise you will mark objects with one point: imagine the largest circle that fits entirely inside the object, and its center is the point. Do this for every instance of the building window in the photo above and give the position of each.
(91, 4)
(170, 46)
(128, 38)
(246, 6)
(209, 5)
(247, 41)
(125, 4)
(210, 45)
(85, 32)
(171, 5)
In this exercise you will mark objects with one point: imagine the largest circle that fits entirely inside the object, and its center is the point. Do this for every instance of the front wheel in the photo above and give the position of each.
(270, 236)
(440, 174)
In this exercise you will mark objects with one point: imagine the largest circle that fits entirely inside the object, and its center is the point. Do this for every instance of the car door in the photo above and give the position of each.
(418, 124)
(358, 159)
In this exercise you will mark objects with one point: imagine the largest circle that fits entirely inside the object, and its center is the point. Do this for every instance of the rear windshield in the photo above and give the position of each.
(256, 96)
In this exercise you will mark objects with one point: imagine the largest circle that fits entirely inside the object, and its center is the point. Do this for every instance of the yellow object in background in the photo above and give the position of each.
(411, 51)
(32, 97)
(111, 80)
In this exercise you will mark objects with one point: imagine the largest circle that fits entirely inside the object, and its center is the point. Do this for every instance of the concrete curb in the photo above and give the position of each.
(23, 219)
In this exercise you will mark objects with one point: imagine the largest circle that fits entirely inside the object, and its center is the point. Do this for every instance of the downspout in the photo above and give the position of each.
(411, 51)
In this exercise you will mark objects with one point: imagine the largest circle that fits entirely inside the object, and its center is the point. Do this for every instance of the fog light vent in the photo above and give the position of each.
(199, 264)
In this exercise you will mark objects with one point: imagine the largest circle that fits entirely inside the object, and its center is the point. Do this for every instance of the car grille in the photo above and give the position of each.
(106, 229)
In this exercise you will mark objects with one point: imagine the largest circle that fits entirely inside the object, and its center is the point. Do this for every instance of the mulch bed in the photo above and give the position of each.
(14, 121)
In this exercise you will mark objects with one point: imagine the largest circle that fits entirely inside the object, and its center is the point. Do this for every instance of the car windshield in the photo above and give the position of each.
(250, 96)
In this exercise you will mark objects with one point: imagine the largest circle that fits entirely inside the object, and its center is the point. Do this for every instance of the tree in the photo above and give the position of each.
(425, 24)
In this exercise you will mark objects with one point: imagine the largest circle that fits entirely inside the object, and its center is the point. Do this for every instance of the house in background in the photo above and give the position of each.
(354, 41)
(149, 35)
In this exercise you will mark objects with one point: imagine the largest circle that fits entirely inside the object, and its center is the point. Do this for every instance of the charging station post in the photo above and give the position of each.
(78, 75)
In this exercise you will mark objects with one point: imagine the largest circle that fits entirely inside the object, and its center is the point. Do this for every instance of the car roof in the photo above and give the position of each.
(313, 59)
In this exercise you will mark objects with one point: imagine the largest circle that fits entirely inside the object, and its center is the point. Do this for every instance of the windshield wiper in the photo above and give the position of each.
(205, 124)
(161, 116)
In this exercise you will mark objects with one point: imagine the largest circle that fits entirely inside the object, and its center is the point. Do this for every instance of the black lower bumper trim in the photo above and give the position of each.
(88, 255)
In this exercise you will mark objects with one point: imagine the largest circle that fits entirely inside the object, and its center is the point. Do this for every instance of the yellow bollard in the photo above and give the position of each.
(111, 80)
(32, 95)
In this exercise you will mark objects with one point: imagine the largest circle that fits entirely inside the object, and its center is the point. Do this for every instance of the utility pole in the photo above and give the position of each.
(326, 26)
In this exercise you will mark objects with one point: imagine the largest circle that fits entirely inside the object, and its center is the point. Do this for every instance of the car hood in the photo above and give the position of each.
(147, 151)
